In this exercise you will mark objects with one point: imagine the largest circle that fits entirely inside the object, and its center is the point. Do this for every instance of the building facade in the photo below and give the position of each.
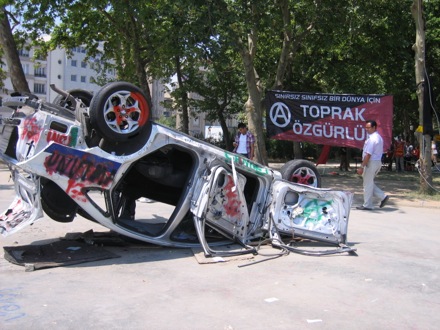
(69, 71)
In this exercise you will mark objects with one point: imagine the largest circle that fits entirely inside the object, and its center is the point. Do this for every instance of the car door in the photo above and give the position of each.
(26, 207)
(314, 213)
(220, 202)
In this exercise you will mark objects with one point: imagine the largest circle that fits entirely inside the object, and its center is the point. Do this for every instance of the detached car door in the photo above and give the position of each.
(314, 213)
(220, 202)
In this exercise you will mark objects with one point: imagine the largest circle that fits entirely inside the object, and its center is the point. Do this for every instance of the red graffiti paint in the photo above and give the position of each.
(74, 191)
(31, 129)
(232, 207)
(58, 138)
(80, 171)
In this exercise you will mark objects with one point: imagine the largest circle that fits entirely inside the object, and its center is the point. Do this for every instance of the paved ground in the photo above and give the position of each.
(393, 282)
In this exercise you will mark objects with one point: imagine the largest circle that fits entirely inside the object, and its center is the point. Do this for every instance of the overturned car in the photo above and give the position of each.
(99, 155)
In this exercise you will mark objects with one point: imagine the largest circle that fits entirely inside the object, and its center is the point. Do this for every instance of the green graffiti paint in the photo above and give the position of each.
(244, 162)
(73, 136)
(313, 211)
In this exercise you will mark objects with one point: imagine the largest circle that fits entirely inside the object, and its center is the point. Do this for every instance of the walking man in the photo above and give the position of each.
(371, 164)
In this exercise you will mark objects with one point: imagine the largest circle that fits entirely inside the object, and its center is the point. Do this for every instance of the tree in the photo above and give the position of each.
(360, 48)
(185, 39)
(114, 42)
(248, 27)
(423, 135)
(10, 51)
(221, 87)
(143, 39)
(432, 54)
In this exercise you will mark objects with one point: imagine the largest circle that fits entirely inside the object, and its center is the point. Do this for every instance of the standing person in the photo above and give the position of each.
(408, 156)
(433, 153)
(344, 159)
(416, 153)
(370, 166)
(399, 152)
(244, 142)
(390, 156)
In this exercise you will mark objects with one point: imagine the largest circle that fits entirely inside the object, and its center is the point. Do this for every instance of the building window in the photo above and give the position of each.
(83, 64)
(40, 72)
(23, 52)
(73, 62)
(25, 68)
(73, 77)
(83, 79)
(40, 88)
(168, 104)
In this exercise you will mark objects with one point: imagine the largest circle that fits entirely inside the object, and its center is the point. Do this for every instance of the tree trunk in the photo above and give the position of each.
(253, 105)
(184, 124)
(423, 139)
(287, 44)
(226, 135)
(132, 35)
(297, 150)
(253, 109)
(15, 69)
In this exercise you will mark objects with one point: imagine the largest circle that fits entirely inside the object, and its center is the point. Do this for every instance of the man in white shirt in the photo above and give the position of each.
(371, 164)
(244, 142)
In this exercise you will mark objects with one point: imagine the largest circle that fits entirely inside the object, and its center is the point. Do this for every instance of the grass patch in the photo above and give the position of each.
(417, 195)
(413, 178)
(407, 176)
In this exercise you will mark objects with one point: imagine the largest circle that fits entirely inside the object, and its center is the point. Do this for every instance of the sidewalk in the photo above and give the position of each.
(392, 283)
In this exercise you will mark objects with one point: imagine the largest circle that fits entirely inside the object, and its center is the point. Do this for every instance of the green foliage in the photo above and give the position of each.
(279, 150)
(283, 150)
(168, 121)
(362, 47)
(335, 46)
(432, 9)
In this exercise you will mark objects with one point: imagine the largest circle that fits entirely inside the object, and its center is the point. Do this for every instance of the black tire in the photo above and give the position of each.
(301, 171)
(81, 94)
(119, 112)
(56, 203)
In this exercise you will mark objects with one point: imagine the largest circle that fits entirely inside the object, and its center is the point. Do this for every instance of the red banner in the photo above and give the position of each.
(328, 119)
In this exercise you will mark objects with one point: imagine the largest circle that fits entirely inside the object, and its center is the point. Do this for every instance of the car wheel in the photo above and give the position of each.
(119, 111)
(56, 203)
(301, 171)
(81, 94)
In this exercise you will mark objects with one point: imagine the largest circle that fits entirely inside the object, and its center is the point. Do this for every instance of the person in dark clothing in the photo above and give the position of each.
(343, 166)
